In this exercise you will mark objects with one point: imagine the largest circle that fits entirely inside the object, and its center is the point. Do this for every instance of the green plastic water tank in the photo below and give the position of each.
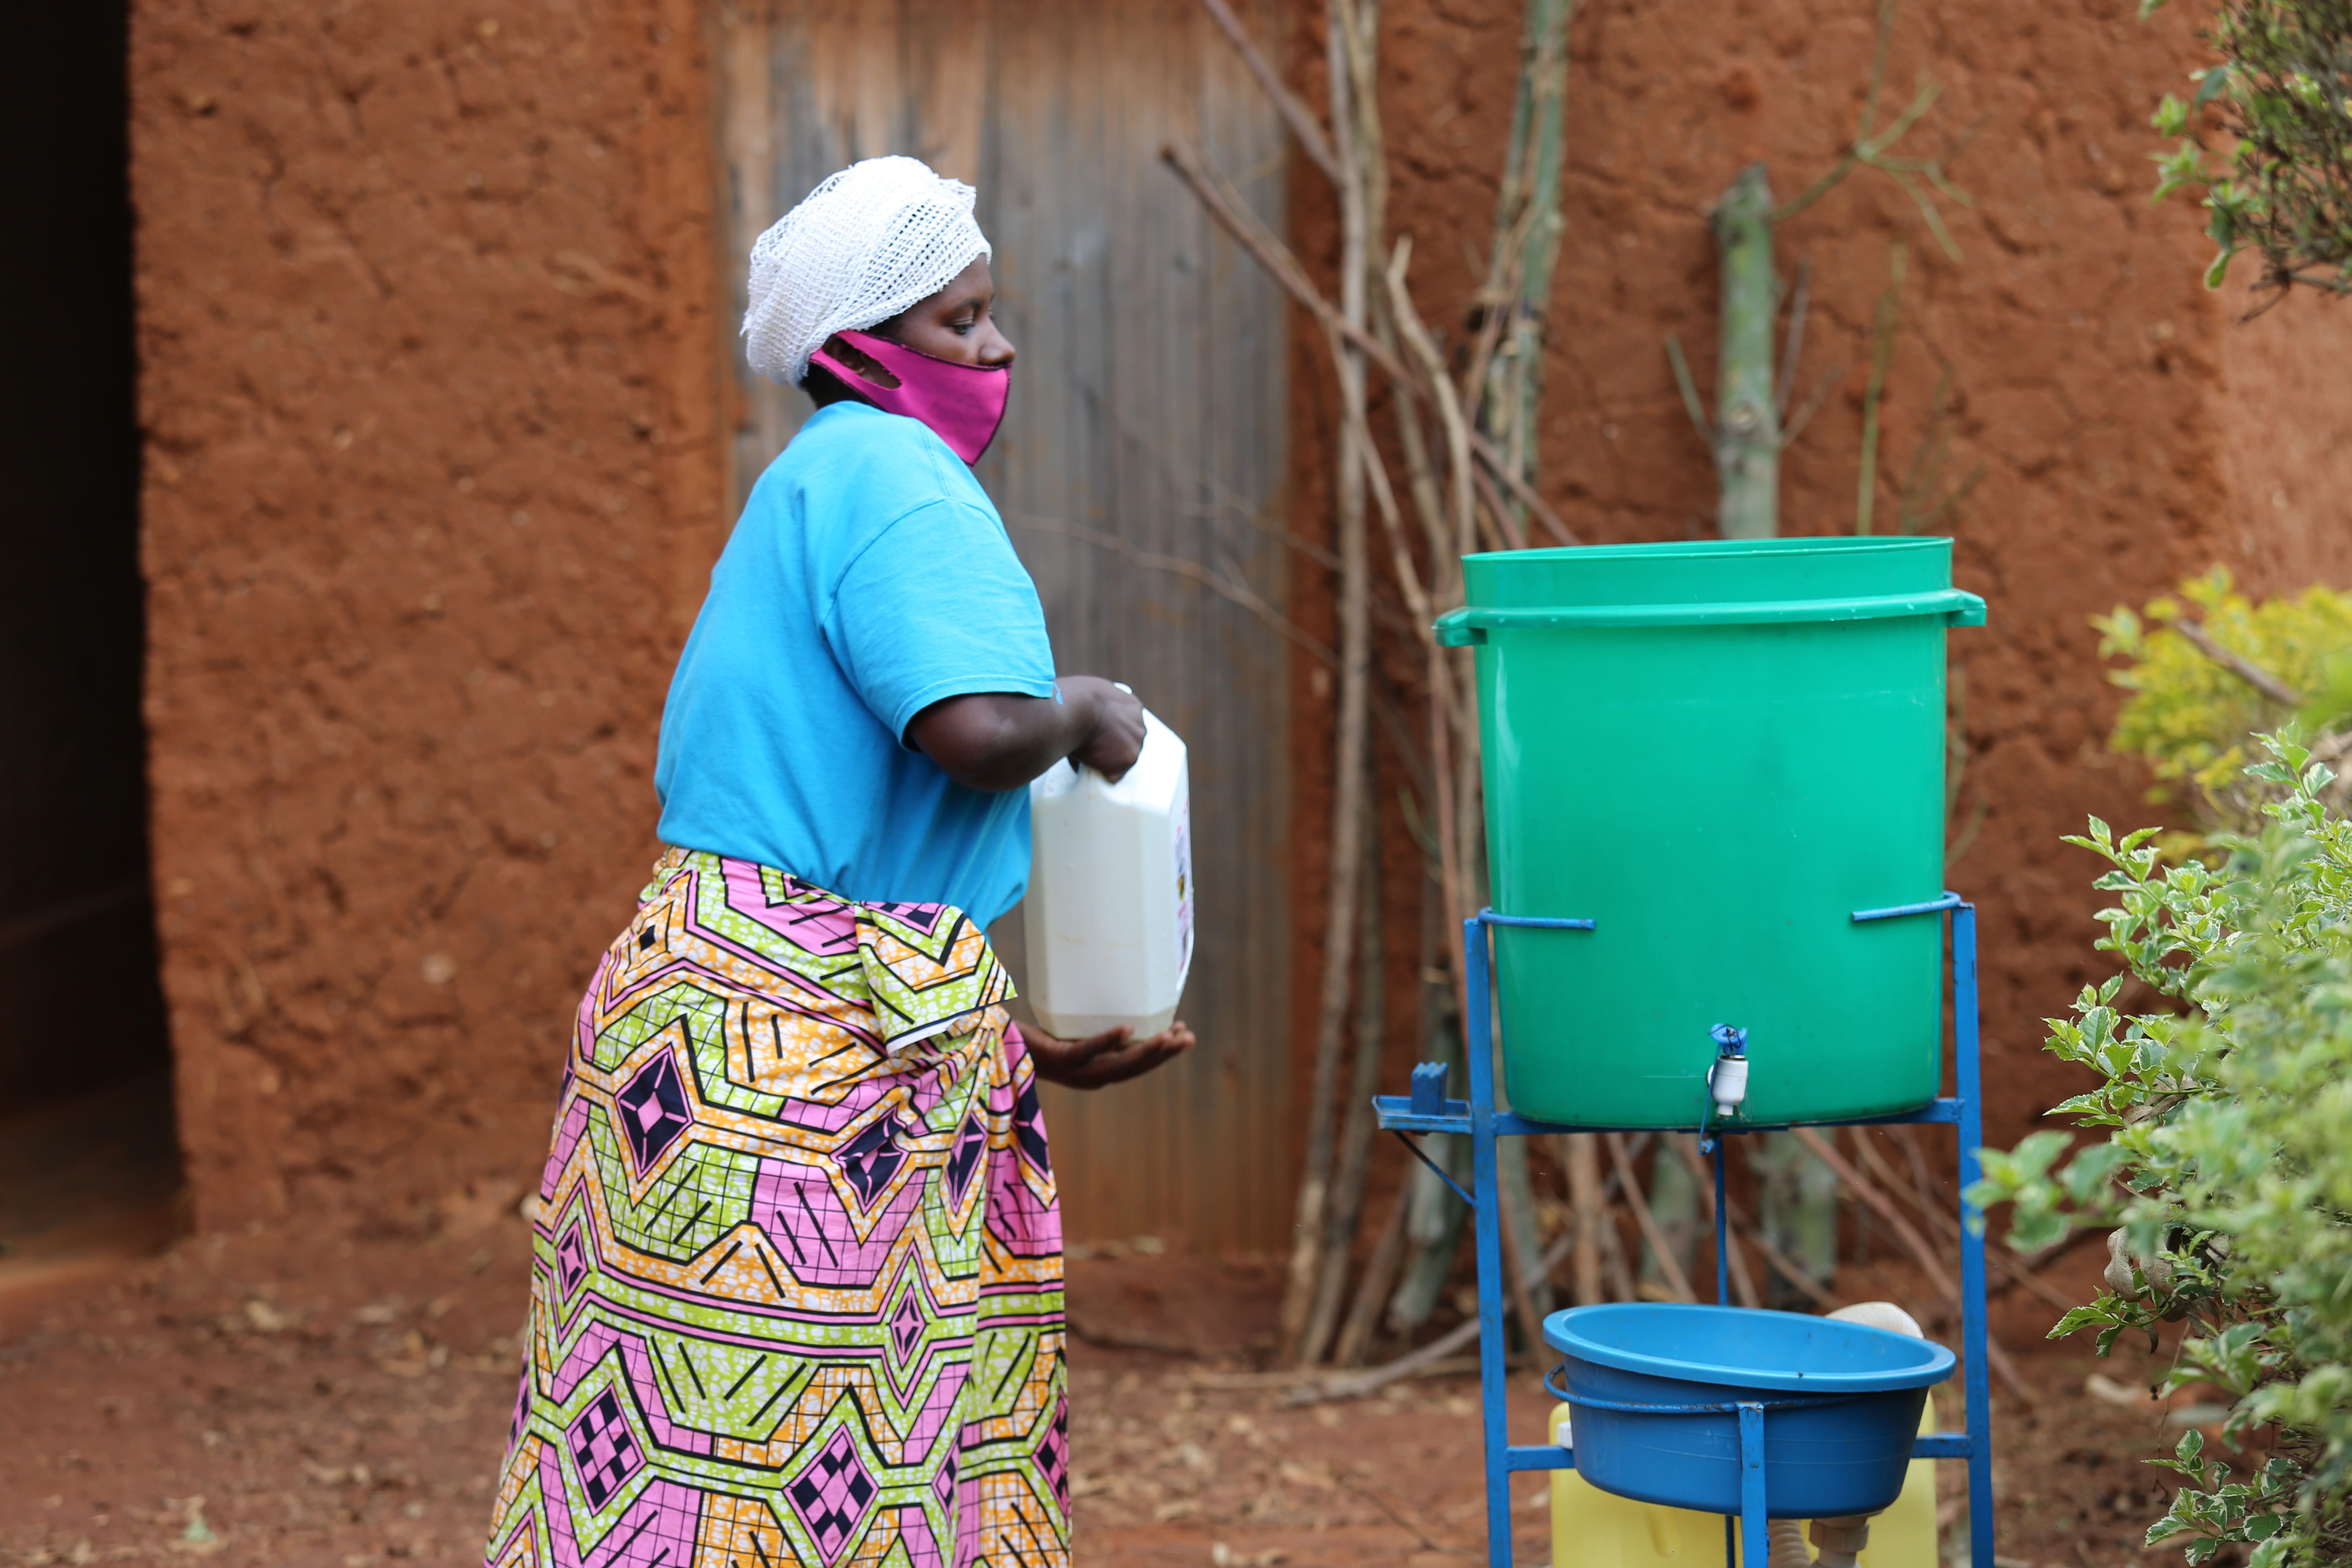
(1718, 751)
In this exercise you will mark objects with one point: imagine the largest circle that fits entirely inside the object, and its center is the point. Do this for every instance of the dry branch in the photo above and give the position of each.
(1450, 416)
(1481, 493)
(1667, 1264)
(2239, 665)
(1380, 1273)
(1284, 269)
(1294, 114)
(1741, 1283)
(1948, 1227)
(1191, 570)
(1351, 761)
(1355, 1385)
(1347, 1200)
(1588, 1212)
(1915, 1244)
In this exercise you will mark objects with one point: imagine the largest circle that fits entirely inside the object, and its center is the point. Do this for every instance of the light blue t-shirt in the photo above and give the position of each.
(868, 578)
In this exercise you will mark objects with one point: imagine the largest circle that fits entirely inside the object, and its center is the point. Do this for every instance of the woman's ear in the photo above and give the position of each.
(867, 367)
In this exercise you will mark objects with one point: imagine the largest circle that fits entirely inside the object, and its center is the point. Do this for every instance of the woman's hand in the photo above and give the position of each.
(1116, 739)
(1112, 1056)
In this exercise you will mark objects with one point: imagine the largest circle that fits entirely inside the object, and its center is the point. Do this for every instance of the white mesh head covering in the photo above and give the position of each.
(865, 245)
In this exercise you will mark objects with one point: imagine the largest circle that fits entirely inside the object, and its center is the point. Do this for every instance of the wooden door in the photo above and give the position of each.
(1144, 452)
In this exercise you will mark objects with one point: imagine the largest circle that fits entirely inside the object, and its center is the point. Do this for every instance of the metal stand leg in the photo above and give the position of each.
(1429, 1112)
(1974, 1333)
(1478, 1040)
(1755, 1529)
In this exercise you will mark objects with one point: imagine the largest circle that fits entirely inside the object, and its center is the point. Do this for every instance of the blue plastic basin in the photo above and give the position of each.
(1842, 1405)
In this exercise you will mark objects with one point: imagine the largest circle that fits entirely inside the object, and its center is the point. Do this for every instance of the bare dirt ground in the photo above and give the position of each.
(276, 1398)
(260, 1399)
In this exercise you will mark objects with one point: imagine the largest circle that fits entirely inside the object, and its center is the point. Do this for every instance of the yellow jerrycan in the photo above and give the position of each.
(1594, 1529)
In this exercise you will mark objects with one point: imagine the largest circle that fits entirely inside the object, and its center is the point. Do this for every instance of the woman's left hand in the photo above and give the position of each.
(1112, 1056)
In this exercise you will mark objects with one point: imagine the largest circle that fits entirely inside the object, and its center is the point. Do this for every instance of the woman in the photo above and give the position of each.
(798, 1292)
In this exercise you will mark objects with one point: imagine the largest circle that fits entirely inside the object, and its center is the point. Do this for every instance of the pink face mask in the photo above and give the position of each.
(963, 403)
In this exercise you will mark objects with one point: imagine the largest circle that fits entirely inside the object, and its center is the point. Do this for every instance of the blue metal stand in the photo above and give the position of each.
(1427, 1109)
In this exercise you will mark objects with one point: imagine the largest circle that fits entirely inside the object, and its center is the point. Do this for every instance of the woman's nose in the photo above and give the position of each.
(996, 348)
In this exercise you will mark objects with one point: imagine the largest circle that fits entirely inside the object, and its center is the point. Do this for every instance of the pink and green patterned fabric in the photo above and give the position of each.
(798, 1290)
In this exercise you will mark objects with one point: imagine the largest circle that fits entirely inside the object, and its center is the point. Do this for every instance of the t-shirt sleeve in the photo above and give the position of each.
(937, 606)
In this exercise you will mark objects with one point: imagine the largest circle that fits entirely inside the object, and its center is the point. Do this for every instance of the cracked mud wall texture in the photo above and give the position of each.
(2122, 429)
(430, 407)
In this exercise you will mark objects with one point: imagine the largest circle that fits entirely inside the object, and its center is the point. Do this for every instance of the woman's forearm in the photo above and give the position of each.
(997, 741)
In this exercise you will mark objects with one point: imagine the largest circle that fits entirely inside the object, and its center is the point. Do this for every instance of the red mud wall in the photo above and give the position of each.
(2286, 425)
(430, 404)
(2128, 430)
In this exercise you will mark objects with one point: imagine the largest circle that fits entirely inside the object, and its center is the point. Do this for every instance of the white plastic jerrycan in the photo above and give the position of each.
(1108, 916)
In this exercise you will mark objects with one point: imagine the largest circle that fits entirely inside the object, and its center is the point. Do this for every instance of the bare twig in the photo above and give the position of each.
(1613, 1260)
(1505, 534)
(1450, 414)
(1295, 115)
(1998, 1258)
(1874, 388)
(1813, 404)
(1355, 1385)
(1269, 251)
(1285, 269)
(1587, 1211)
(1380, 1273)
(1372, 1380)
(1922, 1184)
(1528, 224)
(1397, 1517)
(1921, 1252)
(1689, 388)
(1518, 1275)
(1420, 473)
(1786, 1267)
(1191, 570)
(1461, 432)
(1676, 1280)
(1441, 844)
(1521, 491)
(2238, 664)
(1496, 302)
(1915, 1244)
(1792, 348)
(1875, 149)
(1741, 1284)
(1349, 741)
(1084, 1326)
(1416, 597)
(1302, 1376)
(1944, 1225)
(1347, 1200)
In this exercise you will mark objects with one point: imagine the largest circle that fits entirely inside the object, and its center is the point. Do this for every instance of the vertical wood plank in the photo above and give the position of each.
(1148, 410)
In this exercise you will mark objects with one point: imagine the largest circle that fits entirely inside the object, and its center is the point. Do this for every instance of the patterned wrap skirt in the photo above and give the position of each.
(797, 1295)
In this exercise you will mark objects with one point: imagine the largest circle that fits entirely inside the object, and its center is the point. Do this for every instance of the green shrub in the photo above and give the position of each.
(2285, 191)
(2192, 716)
(2221, 1159)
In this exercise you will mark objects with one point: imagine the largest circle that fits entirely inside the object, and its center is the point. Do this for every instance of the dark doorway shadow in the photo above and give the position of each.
(85, 1106)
